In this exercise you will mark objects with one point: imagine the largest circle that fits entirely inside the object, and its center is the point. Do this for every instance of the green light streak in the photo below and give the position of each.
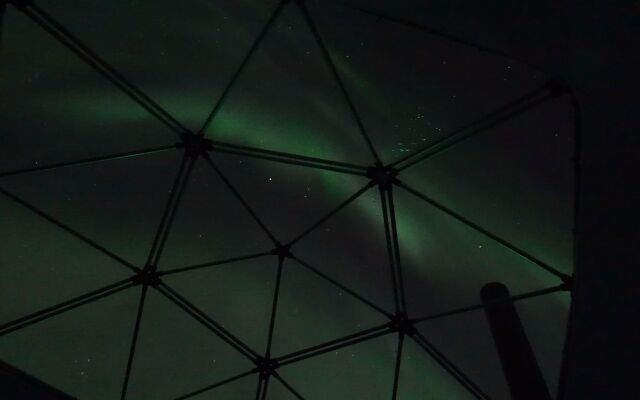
(239, 128)
(365, 89)
(417, 242)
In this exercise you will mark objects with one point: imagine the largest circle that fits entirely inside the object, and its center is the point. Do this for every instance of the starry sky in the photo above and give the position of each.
(410, 89)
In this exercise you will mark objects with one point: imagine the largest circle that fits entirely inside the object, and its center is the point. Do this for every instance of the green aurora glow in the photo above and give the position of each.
(420, 231)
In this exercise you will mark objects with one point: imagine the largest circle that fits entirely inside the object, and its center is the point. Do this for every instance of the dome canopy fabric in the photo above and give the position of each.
(279, 200)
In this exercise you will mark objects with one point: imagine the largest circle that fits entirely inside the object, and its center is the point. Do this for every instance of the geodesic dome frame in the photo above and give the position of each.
(386, 178)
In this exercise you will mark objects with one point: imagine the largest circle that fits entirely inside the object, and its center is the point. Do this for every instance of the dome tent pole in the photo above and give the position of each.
(86, 54)
(134, 342)
(69, 230)
(329, 61)
(215, 385)
(564, 277)
(450, 367)
(254, 47)
(521, 105)
(65, 306)
(420, 27)
(90, 160)
(529, 295)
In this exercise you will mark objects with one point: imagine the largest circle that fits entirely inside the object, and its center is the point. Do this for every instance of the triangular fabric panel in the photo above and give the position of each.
(41, 265)
(177, 355)
(182, 66)
(367, 366)
(351, 248)
(58, 108)
(466, 341)
(406, 98)
(288, 100)
(117, 203)
(446, 263)
(422, 378)
(211, 224)
(82, 352)
(516, 180)
(312, 311)
(238, 295)
(288, 199)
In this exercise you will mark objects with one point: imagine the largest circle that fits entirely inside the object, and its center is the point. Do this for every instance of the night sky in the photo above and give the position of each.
(410, 89)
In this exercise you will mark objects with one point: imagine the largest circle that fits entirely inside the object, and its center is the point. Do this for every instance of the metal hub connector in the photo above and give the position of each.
(282, 251)
(195, 145)
(147, 277)
(266, 367)
(383, 176)
(402, 324)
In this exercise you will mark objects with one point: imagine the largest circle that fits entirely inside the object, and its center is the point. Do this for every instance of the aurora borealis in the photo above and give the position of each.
(410, 90)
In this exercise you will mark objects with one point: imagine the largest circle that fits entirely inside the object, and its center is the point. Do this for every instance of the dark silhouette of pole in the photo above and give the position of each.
(516, 356)
(3, 9)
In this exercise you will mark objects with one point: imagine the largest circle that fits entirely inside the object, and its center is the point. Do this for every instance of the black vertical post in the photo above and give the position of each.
(3, 9)
(516, 356)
